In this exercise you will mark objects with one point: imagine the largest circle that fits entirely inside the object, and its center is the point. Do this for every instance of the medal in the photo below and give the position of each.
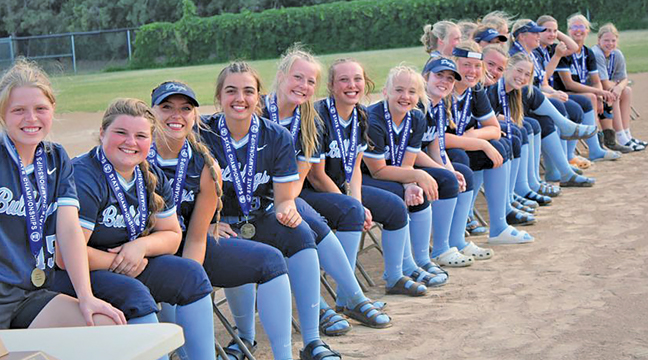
(248, 230)
(581, 68)
(347, 188)
(439, 115)
(38, 277)
(461, 118)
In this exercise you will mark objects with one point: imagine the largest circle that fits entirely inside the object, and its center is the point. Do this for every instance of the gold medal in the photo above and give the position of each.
(347, 188)
(247, 231)
(38, 277)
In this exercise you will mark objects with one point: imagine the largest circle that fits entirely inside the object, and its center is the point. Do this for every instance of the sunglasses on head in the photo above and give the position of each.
(578, 27)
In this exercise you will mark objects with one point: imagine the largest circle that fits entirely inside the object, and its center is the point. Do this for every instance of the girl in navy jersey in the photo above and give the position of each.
(514, 97)
(549, 52)
(396, 129)
(474, 129)
(128, 218)
(38, 174)
(343, 142)
(259, 168)
(439, 39)
(291, 105)
(234, 264)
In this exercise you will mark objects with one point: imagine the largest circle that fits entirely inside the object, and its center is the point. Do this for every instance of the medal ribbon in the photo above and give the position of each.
(273, 110)
(348, 158)
(180, 171)
(440, 117)
(35, 218)
(581, 68)
(243, 186)
(547, 58)
(503, 97)
(610, 68)
(538, 69)
(461, 118)
(113, 182)
(397, 154)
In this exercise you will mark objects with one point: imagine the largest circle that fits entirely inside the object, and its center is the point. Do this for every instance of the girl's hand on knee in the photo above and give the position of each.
(413, 195)
(494, 156)
(138, 270)
(129, 256)
(288, 216)
(92, 306)
(368, 221)
(461, 180)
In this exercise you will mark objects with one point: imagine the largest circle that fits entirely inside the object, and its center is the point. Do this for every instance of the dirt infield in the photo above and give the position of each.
(580, 291)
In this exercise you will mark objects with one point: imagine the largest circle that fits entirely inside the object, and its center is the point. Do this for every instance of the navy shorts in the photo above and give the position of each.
(19, 307)
(575, 112)
(479, 160)
(343, 213)
(395, 188)
(547, 126)
(166, 278)
(234, 262)
(583, 101)
(386, 208)
(458, 156)
(533, 124)
(316, 221)
(515, 142)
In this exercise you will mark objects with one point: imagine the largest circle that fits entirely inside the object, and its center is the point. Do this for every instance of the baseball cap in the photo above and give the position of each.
(169, 88)
(531, 27)
(489, 35)
(438, 64)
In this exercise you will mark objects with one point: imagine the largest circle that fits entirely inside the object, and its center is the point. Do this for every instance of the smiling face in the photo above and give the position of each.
(239, 96)
(530, 40)
(28, 116)
(402, 94)
(518, 75)
(608, 42)
(177, 116)
(549, 36)
(126, 142)
(495, 66)
(578, 30)
(348, 85)
(298, 85)
(440, 85)
(471, 71)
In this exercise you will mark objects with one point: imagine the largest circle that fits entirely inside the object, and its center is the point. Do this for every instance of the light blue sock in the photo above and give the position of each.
(508, 165)
(478, 180)
(552, 150)
(350, 241)
(595, 150)
(458, 228)
(537, 144)
(515, 172)
(275, 311)
(571, 148)
(149, 319)
(522, 183)
(420, 228)
(565, 125)
(303, 271)
(442, 213)
(393, 244)
(408, 260)
(495, 186)
(167, 314)
(241, 301)
(563, 143)
(197, 322)
(334, 261)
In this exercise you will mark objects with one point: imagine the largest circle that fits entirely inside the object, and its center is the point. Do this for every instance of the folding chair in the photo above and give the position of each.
(229, 328)
(375, 244)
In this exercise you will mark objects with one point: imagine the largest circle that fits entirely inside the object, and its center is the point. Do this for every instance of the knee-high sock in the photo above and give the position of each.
(350, 241)
(552, 150)
(197, 322)
(167, 313)
(478, 180)
(515, 172)
(241, 300)
(595, 150)
(442, 213)
(275, 310)
(537, 144)
(420, 228)
(393, 244)
(565, 125)
(152, 319)
(334, 261)
(495, 186)
(303, 271)
(571, 148)
(522, 183)
(458, 227)
(508, 166)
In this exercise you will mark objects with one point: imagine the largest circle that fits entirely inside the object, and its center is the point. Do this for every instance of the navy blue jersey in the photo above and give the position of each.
(538, 62)
(566, 64)
(330, 148)
(191, 187)
(379, 134)
(479, 108)
(287, 123)
(275, 163)
(530, 103)
(100, 211)
(544, 55)
(16, 259)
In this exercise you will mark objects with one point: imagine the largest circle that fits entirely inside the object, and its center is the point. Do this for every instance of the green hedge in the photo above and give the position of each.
(342, 27)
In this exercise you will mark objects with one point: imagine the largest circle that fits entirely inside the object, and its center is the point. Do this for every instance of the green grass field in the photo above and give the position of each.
(93, 92)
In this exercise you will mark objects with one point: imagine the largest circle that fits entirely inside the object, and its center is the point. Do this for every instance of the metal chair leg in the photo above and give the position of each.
(229, 328)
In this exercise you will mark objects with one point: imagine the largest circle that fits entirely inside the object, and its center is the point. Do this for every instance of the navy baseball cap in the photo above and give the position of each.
(167, 89)
(438, 64)
(467, 54)
(490, 35)
(531, 27)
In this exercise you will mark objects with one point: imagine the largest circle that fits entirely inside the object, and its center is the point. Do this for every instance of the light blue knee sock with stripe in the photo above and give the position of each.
(495, 182)
(393, 244)
(442, 213)
(458, 227)
(478, 180)
(521, 186)
(334, 261)
(420, 229)
(350, 241)
(275, 311)
(197, 322)
(534, 162)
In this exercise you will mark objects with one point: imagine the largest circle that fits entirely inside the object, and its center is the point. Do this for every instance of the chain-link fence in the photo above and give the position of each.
(78, 52)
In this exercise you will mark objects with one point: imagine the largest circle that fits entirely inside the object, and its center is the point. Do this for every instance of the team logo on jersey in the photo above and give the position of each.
(107, 168)
(334, 151)
(112, 217)
(35, 237)
(12, 207)
(259, 178)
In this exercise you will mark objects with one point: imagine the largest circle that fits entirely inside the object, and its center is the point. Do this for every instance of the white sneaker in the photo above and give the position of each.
(476, 252)
(511, 235)
(453, 258)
